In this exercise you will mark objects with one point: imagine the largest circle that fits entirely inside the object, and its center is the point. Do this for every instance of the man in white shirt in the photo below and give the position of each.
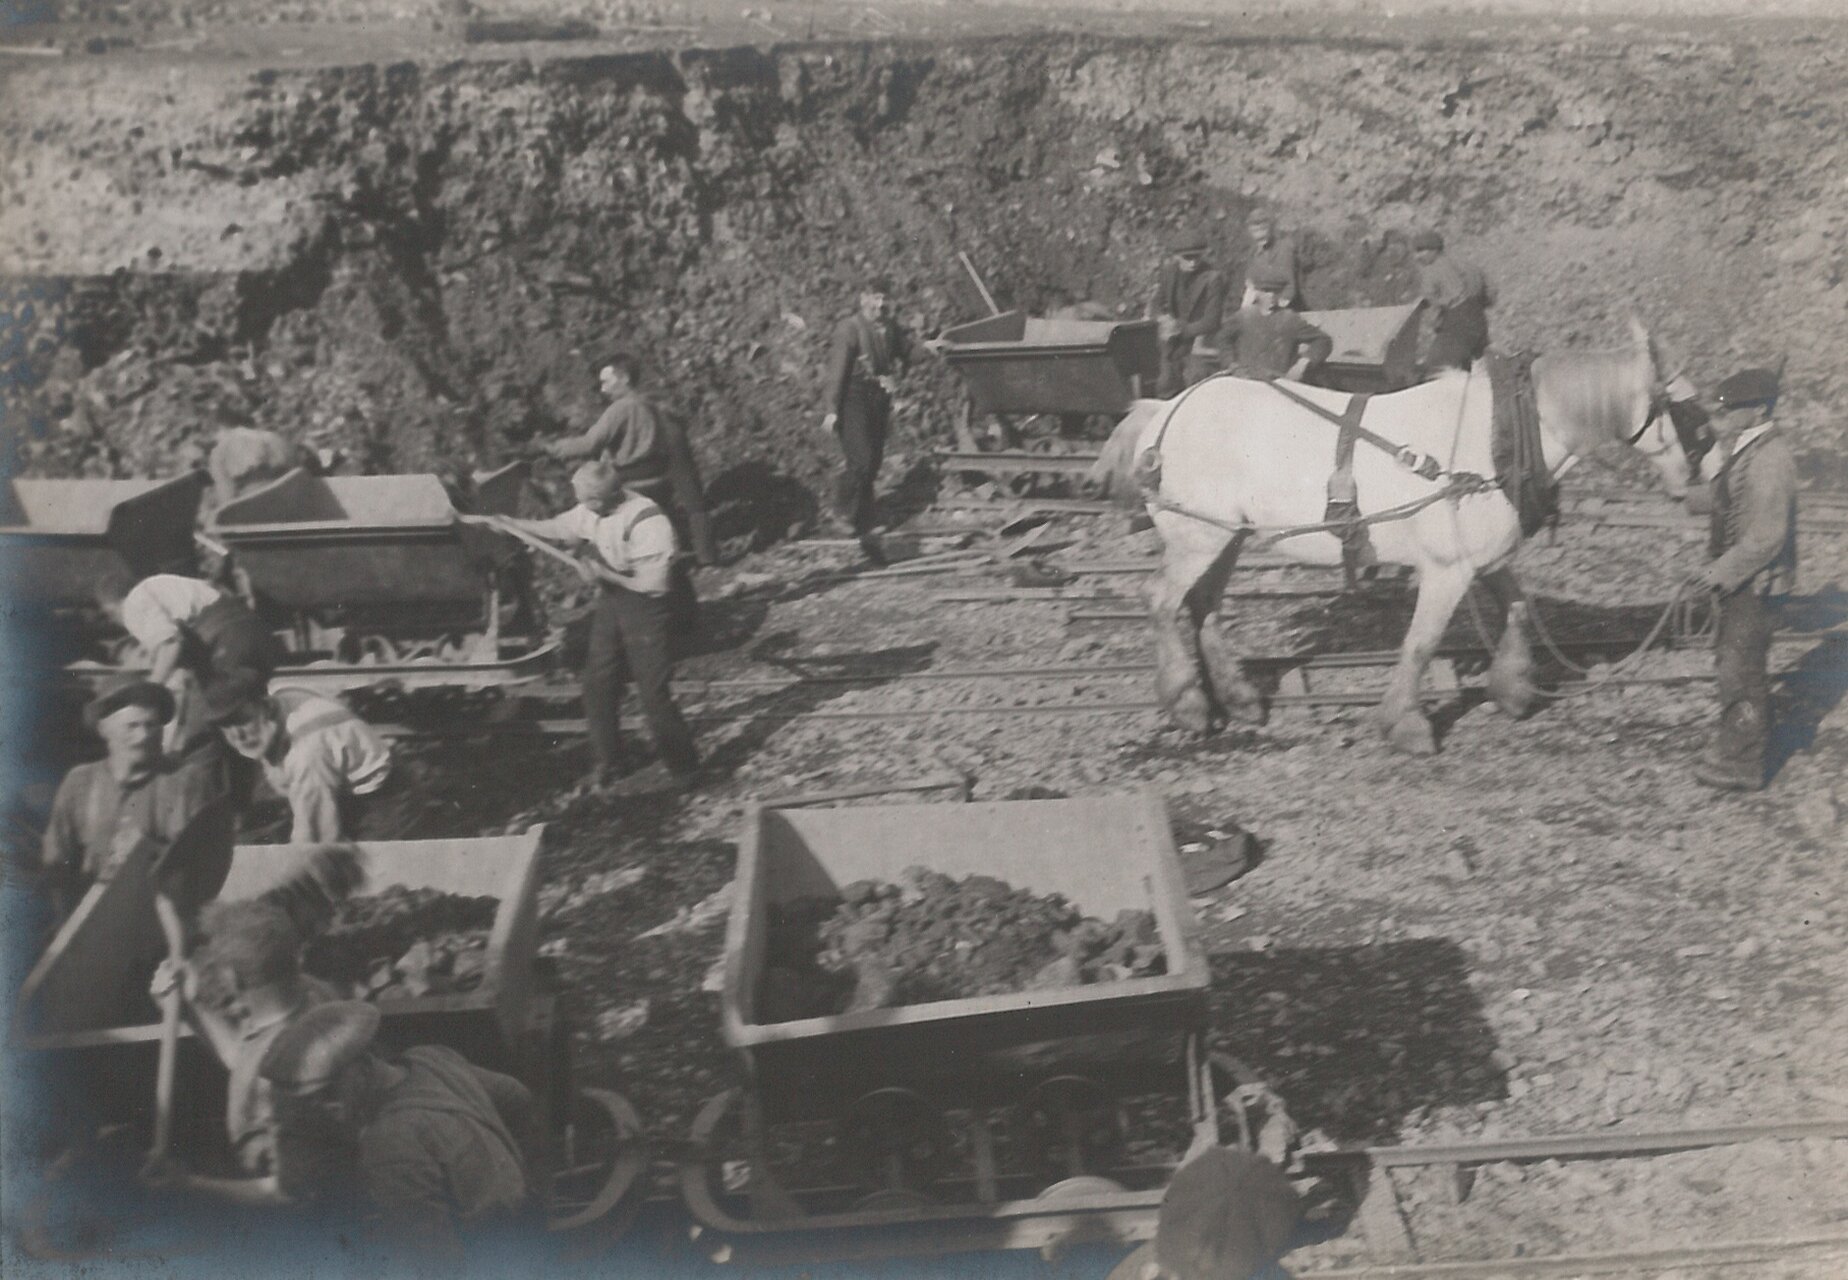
(332, 768)
(632, 627)
(192, 634)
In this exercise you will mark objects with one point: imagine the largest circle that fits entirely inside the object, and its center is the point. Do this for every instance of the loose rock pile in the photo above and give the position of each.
(931, 937)
(403, 943)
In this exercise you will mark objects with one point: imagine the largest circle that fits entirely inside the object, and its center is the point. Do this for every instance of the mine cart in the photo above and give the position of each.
(1048, 1116)
(377, 582)
(58, 537)
(1041, 383)
(83, 1017)
(1376, 348)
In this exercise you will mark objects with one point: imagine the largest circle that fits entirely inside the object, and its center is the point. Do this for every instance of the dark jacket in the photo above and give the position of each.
(863, 350)
(1257, 345)
(1753, 535)
(1197, 302)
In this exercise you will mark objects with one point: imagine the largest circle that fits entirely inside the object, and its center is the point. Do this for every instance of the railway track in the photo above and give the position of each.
(1451, 675)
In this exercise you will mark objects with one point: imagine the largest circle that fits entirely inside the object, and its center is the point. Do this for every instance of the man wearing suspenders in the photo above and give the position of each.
(332, 768)
(632, 628)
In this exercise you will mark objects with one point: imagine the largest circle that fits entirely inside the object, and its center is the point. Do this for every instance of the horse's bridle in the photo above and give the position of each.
(1688, 418)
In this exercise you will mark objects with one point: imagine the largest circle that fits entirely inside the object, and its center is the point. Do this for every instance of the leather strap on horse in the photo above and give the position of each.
(1348, 423)
(1515, 445)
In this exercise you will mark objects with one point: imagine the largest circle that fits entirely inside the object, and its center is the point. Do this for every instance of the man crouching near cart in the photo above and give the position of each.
(634, 626)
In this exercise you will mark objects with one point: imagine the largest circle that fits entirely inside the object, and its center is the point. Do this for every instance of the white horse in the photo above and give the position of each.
(1231, 458)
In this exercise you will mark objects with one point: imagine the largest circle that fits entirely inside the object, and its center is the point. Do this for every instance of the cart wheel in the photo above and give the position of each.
(897, 1139)
(1087, 1185)
(601, 1153)
(893, 1200)
(1073, 1124)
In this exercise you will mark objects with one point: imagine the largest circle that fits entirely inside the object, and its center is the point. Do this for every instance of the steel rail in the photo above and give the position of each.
(1345, 698)
(1567, 1265)
(1578, 1146)
(1076, 671)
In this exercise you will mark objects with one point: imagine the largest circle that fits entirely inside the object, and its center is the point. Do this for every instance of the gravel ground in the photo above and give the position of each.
(1547, 928)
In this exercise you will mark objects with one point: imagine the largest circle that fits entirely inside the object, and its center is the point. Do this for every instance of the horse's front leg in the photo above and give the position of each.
(1171, 593)
(1225, 670)
(1401, 719)
(1511, 674)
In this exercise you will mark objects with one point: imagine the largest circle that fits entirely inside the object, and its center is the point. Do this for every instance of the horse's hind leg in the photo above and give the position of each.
(1401, 719)
(1225, 671)
(1511, 674)
(1186, 558)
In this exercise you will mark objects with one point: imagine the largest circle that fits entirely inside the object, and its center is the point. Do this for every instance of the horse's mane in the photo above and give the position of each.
(1593, 394)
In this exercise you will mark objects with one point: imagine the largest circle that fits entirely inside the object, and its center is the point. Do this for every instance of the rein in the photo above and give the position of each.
(1461, 485)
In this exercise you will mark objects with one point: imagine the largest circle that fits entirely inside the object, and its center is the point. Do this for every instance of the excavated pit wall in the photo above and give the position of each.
(417, 264)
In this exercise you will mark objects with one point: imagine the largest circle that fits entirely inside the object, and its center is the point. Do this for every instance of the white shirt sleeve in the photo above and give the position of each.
(580, 523)
(156, 608)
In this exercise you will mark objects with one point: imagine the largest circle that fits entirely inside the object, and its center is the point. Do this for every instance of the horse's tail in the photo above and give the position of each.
(1119, 471)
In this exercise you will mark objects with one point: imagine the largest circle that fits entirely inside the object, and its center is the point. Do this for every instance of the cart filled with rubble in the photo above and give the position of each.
(970, 1026)
(440, 934)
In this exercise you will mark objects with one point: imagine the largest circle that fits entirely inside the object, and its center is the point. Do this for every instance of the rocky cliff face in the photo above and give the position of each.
(420, 264)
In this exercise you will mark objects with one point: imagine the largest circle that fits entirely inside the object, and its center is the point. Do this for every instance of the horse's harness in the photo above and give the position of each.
(1460, 483)
(1692, 431)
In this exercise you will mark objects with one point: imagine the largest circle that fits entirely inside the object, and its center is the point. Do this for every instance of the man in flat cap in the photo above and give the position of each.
(241, 986)
(632, 628)
(1275, 255)
(1753, 542)
(1188, 306)
(864, 360)
(437, 1147)
(335, 771)
(1459, 297)
(104, 809)
(1264, 340)
(1227, 1215)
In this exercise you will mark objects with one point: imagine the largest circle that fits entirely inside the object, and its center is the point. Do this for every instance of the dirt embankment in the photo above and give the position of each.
(417, 264)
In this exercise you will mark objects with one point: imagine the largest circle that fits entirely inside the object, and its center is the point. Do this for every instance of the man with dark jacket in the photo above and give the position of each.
(1753, 543)
(1264, 340)
(1459, 297)
(1188, 307)
(649, 446)
(863, 363)
(436, 1147)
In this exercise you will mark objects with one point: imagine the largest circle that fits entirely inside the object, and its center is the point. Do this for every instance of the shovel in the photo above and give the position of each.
(188, 872)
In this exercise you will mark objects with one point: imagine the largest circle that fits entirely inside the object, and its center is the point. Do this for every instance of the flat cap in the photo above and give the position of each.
(230, 696)
(1747, 387)
(128, 691)
(1270, 277)
(1226, 1215)
(597, 478)
(1187, 240)
(316, 1047)
(1427, 239)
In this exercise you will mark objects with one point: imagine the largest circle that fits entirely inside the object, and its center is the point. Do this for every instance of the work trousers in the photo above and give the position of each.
(865, 415)
(1460, 335)
(391, 812)
(632, 639)
(1742, 649)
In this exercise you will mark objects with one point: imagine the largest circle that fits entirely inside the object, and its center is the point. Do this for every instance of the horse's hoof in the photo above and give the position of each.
(1190, 709)
(1411, 733)
(1514, 694)
(1249, 710)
